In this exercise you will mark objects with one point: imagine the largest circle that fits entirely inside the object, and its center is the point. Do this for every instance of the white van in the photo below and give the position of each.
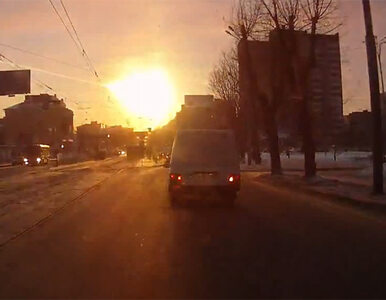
(204, 160)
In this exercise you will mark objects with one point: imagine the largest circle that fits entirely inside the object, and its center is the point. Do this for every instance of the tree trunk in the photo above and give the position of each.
(308, 140)
(306, 114)
(256, 145)
(273, 139)
(251, 107)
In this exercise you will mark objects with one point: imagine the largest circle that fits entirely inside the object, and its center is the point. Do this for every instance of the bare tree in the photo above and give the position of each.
(248, 14)
(224, 79)
(256, 27)
(259, 17)
(317, 14)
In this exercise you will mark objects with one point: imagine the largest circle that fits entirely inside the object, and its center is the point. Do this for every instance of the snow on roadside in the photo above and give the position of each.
(28, 197)
(344, 160)
(338, 189)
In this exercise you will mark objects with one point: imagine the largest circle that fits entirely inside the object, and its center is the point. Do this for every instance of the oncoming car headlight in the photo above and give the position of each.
(25, 159)
(38, 160)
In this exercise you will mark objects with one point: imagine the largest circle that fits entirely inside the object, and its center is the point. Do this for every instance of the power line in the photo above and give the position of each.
(58, 74)
(65, 26)
(80, 42)
(10, 62)
(38, 81)
(41, 56)
(76, 41)
(15, 65)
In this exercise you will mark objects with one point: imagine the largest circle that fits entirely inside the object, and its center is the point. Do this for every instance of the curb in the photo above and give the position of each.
(5, 165)
(355, 202)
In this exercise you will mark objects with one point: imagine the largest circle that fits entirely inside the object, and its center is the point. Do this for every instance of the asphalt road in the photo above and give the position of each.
(124, 240)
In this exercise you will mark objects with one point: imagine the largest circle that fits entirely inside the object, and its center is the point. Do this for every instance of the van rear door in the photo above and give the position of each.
(205, 157)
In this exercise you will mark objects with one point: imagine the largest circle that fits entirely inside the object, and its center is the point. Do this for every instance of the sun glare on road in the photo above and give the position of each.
(147, 95)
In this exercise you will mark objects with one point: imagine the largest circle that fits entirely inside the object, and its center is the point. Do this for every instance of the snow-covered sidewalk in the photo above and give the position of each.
(349, 177)
(338, 189)
(324, 161)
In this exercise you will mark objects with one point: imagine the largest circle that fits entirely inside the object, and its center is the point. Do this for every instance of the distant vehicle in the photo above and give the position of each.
(101, 151)
(167, 161)
(203, 161)
(36, 154)
(135, 152)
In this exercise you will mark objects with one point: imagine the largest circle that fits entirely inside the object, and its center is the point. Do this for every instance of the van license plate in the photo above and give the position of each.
(204, 178)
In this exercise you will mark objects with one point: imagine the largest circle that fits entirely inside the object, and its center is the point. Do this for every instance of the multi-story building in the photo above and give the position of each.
(95, 137)
(359, 130)
(90, 138)
(40, 119)
(269, 60)
(326, 90)
(119, 137)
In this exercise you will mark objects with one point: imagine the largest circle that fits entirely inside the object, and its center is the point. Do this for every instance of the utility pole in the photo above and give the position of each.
(380, 43)
(375, 100)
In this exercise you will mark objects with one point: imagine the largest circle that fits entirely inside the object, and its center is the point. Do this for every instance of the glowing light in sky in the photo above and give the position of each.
(148, 95)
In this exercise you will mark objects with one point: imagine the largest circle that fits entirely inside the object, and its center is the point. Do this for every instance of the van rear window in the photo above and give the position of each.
(205, 148)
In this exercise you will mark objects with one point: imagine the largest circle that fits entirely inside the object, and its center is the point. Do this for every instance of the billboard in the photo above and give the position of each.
(15, 82)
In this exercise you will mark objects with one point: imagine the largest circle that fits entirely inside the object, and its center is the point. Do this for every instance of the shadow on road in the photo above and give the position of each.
(203, 202)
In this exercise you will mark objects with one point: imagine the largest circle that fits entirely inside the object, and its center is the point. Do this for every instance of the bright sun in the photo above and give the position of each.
(147, 95)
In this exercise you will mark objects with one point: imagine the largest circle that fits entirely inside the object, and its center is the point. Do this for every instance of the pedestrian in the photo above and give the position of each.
(59, 156)
(288, 153)
(249, 156)
(334, 149)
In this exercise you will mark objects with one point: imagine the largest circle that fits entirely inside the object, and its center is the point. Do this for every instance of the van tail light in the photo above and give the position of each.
(175, 178)
(233, 178)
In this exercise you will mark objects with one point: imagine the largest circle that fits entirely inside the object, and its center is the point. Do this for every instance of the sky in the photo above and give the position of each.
(183, 38)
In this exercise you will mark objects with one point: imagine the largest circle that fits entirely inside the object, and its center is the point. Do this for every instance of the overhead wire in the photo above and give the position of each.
(43, 84)
(15, 65)
(80, 42)
(42, 56)
(40, 82)
(65, 25)
(37, 81)
(75, 39)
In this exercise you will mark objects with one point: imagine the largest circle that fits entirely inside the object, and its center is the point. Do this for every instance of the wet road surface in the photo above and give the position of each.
(125, 240)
